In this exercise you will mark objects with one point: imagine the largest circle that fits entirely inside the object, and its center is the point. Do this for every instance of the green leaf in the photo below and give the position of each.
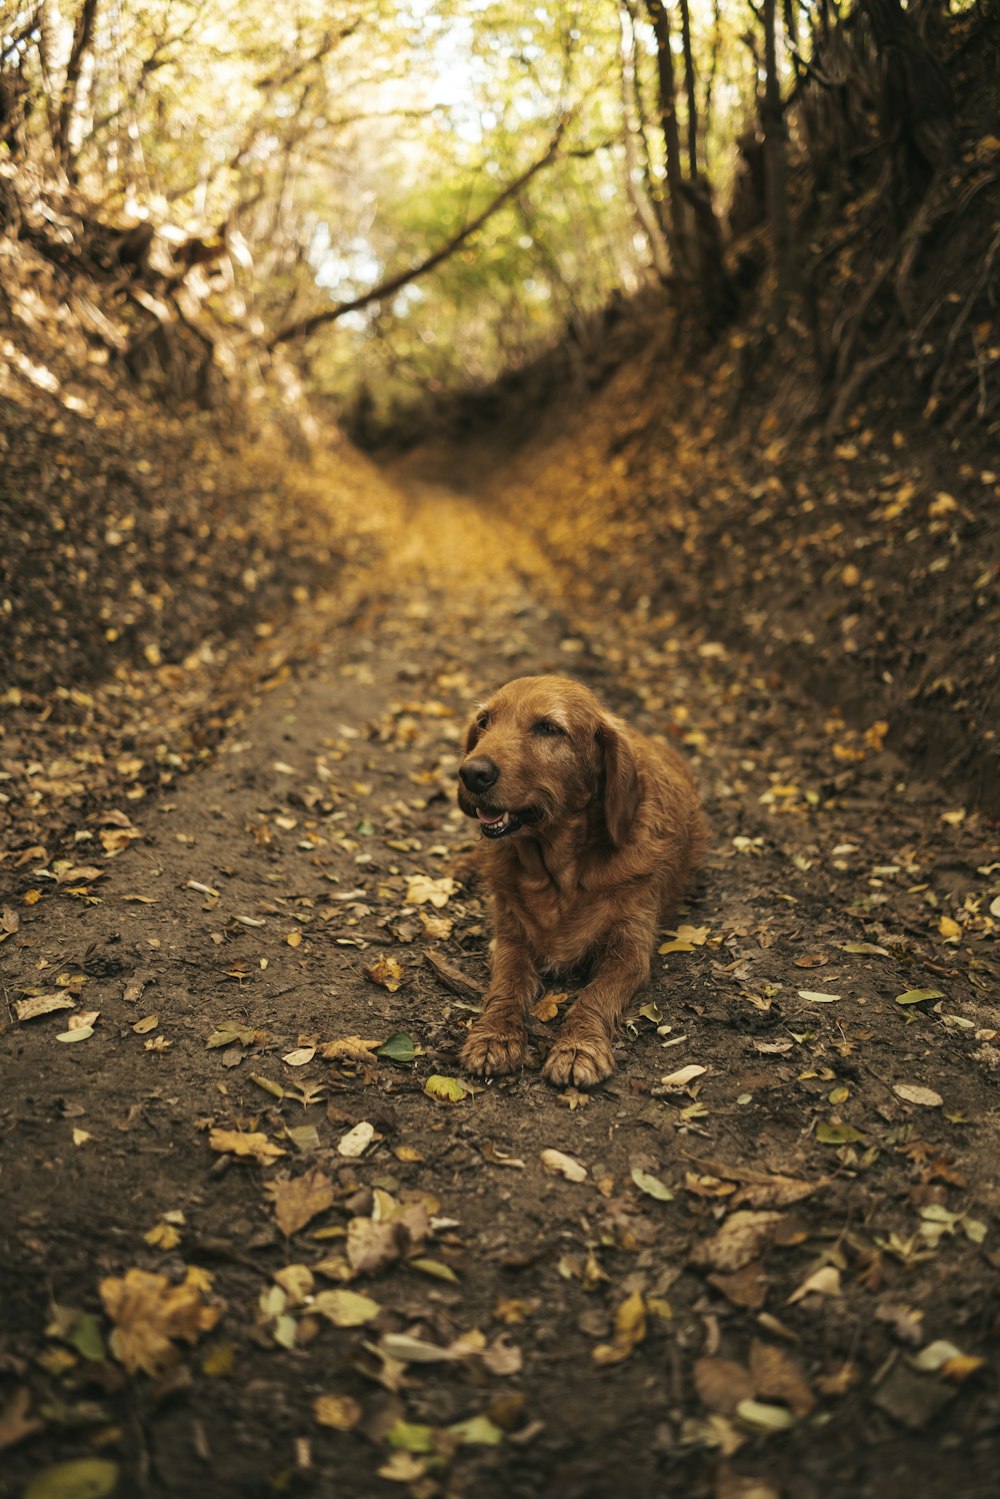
(84, 1478)
(838, 1134)
(450, 1089)
(410, 1436)
(917, 996)
(651, 1186)
(85, 1337)
(477, 1431)
(398, 1048)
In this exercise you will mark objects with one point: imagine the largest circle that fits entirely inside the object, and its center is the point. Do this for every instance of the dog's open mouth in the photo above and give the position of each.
(502, 824)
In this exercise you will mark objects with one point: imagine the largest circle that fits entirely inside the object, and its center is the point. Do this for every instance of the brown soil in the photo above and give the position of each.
(611, 1338)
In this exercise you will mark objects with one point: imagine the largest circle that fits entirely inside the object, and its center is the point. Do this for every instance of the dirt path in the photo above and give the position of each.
(775, 1277)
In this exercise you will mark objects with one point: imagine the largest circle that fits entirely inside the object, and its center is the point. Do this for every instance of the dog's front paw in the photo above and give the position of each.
(580, 1060)
(490, 1051)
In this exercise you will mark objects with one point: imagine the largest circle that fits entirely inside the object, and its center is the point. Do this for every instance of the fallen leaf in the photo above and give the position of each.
(678, 1081)
(917, 996)
(386, 972)
(817, 997)
(341, 1412)
(740, 1239)
(721, 1384)
(236, 1142)
(763, 1417)
(345, 1308)
(15, 1423)
(629, 1332)
(349, 1049)
(299, 1056)
(144, 1026)
(651, 1185)
(777, 1376)
(563, 1165)
(150, 1314)
(398, 1048)
(823, 1282)
(42, 1004)
(372, 1245)
(448, 1089)
(421, 889)
(408, 1350)
(746, 1287)
(82, 1478)
(298, 1201)
(357, 1140)
(913, 1093)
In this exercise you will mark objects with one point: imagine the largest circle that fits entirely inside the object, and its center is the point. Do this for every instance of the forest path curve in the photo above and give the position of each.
(785, 1228)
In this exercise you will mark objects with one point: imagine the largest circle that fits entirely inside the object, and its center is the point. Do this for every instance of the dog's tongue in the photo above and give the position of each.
(491, 822)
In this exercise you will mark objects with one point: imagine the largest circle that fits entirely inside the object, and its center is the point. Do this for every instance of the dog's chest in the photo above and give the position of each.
(561, 926)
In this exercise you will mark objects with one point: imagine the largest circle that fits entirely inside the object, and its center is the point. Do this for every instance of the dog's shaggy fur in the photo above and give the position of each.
(591, 832)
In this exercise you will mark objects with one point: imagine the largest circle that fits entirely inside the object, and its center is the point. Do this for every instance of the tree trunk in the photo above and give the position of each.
(83, 37)
(636, 180)
(690, 90)
(772, 118)
(677, 229)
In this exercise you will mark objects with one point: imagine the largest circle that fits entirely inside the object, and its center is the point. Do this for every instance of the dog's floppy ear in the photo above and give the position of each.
(621, 781)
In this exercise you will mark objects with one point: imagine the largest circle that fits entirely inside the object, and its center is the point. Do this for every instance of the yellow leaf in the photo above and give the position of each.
(449, 1089)
(341, 1412)
(294, 939)
(949, 929)
(236, 1142)
(630, 1330)
(149, 1314)
(387, 972)
(421, 889)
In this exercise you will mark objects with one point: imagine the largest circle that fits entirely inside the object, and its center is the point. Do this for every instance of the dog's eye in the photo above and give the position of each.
(546, 727)
(483, 721)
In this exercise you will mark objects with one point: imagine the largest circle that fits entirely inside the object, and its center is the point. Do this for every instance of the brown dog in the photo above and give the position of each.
(591, 833)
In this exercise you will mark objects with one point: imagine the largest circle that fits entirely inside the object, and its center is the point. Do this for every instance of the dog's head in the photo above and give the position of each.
(540, 752)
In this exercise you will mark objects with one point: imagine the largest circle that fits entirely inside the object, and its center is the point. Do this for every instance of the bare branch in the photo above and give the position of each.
(306, 326)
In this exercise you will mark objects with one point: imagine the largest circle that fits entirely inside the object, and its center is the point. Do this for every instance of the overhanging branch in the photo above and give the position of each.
(303, 327)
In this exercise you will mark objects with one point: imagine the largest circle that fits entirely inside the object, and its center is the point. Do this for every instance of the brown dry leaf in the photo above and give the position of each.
(150, 1313)
(721, 1384)
(740, 1239)
(387, 972)
(629, 1332)
(9, 920)
(236, 1142)
(421, 889)
(437, 927)
(42, 1004)
(777, 1192)
(560, 1164)
(372, 1245)
(547, 1008)
(298, 1201)
(349, 1049)
(15, 1423)
(746, 1287)
(777, 1376)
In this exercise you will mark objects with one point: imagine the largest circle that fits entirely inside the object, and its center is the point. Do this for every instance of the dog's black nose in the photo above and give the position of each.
(479, 775)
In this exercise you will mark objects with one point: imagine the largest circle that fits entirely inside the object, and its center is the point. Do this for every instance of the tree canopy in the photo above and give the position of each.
(454, 182)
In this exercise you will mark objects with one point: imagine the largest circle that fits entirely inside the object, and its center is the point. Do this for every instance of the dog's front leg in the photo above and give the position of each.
(498, 1041)
(581, 1053)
